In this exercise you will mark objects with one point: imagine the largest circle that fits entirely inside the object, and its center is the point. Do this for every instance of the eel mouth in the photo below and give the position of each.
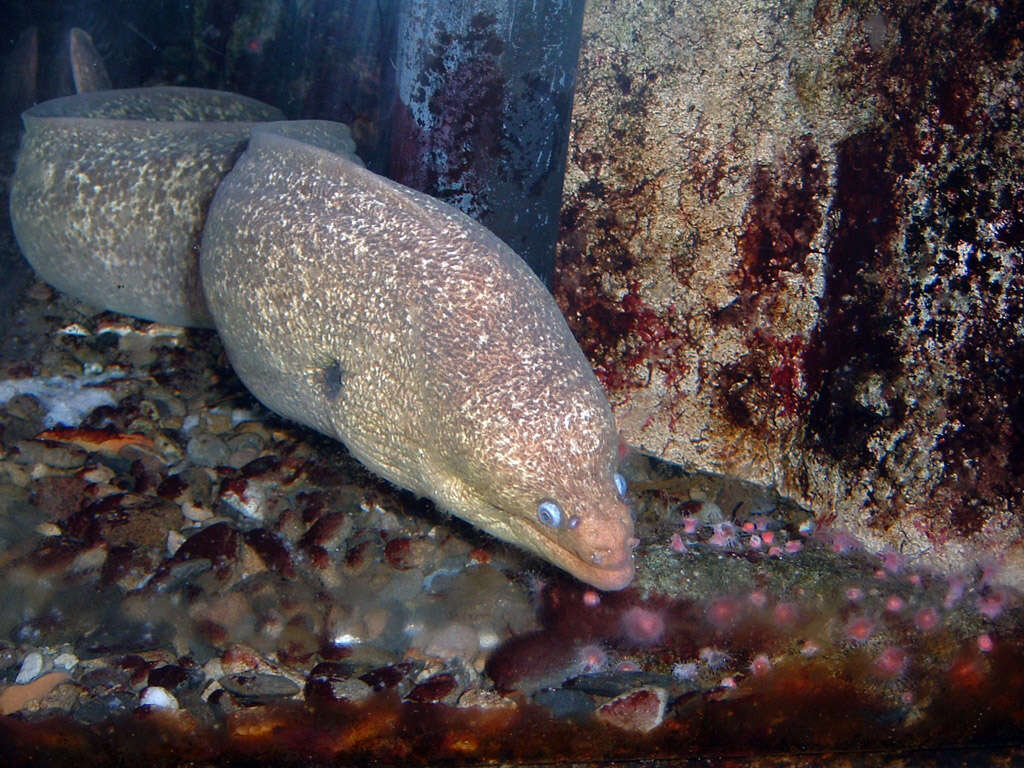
(608, 578)
(605, 579)
(611, 572)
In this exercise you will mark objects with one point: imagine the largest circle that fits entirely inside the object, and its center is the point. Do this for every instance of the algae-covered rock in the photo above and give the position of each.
(791, 248)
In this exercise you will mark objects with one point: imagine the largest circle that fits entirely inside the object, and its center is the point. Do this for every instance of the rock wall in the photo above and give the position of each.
(791, 246)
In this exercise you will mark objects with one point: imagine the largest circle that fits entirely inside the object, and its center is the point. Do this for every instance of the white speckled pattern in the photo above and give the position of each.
(398, 325)
(111, 191)
(346, 302)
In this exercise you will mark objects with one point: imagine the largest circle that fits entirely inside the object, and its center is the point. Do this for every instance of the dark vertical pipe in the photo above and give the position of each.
(482, 100)
(347, 54)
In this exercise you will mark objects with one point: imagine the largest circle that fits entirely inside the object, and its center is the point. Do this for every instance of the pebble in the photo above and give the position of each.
(389, 676)
(247, 499)
(57, 456)
(174, 541)
(30, 668)
(329, 531)
(349, 689)
(168, 409)
(333, 670)
(479, 698)
(180, 574)
(168, 677)
(207, 450)
(55, 553)
(48, 529)
(217, 420)
(240, 659)
(453, 641)
(27, 407)
(16, 429)
(196, 498)
(440, 687)
(138, 348)
(100, 474)
(212, 670)
(259, 687)
(565, 704)
(271, 550)
(640, 710)
(406, 553)
(103, 679)
(261, 466)
(249, 422)
(158, 698)
(217, 543)
(196, 514)
(244, 449)
(66, 661)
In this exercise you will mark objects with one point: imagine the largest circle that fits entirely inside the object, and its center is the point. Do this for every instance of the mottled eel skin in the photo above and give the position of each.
(361, 308)
(398, 325)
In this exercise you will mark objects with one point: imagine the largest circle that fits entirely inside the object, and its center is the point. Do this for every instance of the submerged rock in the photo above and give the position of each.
(791, 248)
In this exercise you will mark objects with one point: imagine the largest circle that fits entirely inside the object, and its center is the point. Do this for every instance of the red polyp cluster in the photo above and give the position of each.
(827, 633)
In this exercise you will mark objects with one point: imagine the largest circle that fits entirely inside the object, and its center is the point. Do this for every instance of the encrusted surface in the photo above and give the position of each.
(792, 250)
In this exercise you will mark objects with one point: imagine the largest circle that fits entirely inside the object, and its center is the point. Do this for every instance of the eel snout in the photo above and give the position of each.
(603, 546)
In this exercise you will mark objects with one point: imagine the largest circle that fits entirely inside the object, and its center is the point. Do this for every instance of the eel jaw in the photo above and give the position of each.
(609, 579)
(606, 573)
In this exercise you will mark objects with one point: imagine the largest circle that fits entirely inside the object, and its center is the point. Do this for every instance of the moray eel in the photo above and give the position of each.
(393, 323)
(111, 190)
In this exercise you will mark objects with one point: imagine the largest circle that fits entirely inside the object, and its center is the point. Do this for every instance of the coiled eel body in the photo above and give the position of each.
(361, 308)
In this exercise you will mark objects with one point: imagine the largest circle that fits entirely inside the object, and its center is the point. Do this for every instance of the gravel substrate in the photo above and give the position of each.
(185, 575)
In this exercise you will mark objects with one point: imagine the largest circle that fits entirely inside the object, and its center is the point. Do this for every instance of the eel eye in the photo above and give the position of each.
(620, 484)
(549, 513)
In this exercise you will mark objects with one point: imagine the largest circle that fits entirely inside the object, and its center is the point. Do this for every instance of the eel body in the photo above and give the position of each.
(372, 313)
(111, 189)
